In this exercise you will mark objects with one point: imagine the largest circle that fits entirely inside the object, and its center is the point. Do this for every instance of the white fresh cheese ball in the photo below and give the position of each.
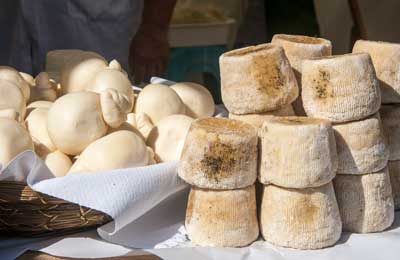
(13, 76)
(11, 97)
(121, 149)
(197, 99)
(14, 139)
(32, 106)
(158, 101)
(75, 120)
(58, 163)
(168, 137)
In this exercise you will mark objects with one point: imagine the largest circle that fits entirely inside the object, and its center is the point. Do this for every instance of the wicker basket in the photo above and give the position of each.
(24, 212)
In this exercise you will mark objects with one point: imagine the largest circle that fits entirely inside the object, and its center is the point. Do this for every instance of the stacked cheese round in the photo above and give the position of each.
(219, 159)
(297, 49)
(340, 88)
(298, 163)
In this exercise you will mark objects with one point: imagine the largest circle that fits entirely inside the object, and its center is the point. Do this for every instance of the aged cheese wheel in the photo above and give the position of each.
(300, 218)
(297, 152)
(32, 106)
(11, 97)
(390, 115)
(158, 101)
(257, 79)
(219, 154)
(386, 59)
(257, 120)
(197, 99)
(13, 76)
(75, 120)
(121, 149)
(365, 201)
(14, 139)
(340, 88)
(361, 146)
(36, 123)
(111, 77)
(223, 218)
(394, 171)
(78, 70)
(58, 163)
(298, 48)
(168, 137)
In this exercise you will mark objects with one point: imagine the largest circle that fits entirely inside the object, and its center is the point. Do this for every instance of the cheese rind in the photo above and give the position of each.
(386, 59)
(297, 49)
(58, 163)
(365, 201)
(257, 120)
(390, 115)
(223, 218)
(300, 218)
(361, 146)
(219, 154)
(340, 88)
(257, 79)
(394, 172)
(297, 152)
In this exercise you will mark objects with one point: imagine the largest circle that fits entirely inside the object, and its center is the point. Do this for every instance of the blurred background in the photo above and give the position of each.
(201, 30)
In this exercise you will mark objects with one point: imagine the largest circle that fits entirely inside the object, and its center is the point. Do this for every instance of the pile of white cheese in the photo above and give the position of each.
(82, 116)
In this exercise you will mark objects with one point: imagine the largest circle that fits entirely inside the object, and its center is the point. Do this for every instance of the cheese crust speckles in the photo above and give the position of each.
(340, 88)
(297, 152)
(300, 218)
(257, 79)
(386, 59)
(390, 115)
(219, 154)
(361, 145)
(224, 218)
(365, 201)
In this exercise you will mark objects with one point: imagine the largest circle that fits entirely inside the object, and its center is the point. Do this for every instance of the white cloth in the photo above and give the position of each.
(103, 26)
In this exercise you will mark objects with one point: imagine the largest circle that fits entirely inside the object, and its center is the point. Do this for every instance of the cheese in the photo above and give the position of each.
(386, 58)
(9, 113)
(13, 76)
(297, 152)
(394, 171)
(141, 122)
(298, 48)
(168, 137)
(11, 97)
(78, 70)
(365, 201)
(390, 115)
(197, 99)
(219, 154)
(28, 78)
(58, 163)
(75, 120)
(300, 218)
(257, 120)
(32, 106)
(158, 101)
(43, 89)
(257, 79)
(222, 218)
(14, 139)
(121, 149)
(361, 146)
(112, 77)
(114, 106)
(340, 88)
(36, 124)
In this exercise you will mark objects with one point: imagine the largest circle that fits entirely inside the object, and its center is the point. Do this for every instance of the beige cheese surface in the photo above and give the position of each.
(361, 145)
(365, 201)
(297, 152)
(394, 171)
(223, 218)
(390, 115)
(300, 218)
(219, 154)
(257, 79)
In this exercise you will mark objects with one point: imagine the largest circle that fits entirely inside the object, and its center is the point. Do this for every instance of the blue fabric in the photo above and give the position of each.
(103, 26)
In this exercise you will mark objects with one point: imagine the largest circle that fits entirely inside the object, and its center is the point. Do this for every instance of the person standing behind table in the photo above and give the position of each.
(135, 32)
